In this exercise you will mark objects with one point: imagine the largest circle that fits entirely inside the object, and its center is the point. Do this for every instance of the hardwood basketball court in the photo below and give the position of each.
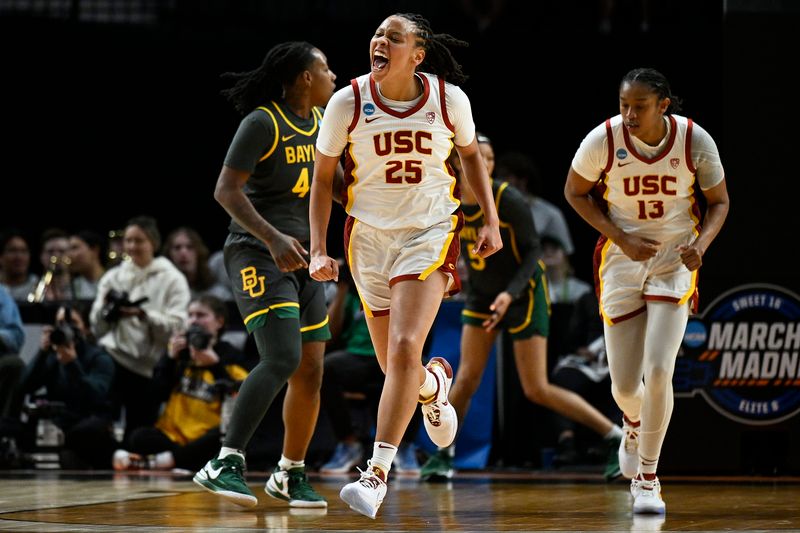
(84, 501)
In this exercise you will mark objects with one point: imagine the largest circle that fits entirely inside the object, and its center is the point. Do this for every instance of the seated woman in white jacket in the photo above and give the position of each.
(139, 303)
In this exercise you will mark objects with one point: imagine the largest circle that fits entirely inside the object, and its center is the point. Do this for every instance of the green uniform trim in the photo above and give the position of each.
(317, 332)
(527, 316)
(320, 334)
(282, 310)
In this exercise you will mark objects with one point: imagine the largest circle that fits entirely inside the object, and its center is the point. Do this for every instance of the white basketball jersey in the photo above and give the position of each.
(395, 171)
(651, 197)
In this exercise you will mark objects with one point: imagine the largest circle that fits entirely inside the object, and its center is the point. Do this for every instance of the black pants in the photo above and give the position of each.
(11, 368)
(88, 442)
(192, 456)
(92, 441)
(347, 372)
(129, 390)
(596, 393)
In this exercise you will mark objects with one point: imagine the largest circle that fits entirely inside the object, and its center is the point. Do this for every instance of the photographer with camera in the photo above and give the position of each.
(194, 377)
(76, 374)
(139, 304)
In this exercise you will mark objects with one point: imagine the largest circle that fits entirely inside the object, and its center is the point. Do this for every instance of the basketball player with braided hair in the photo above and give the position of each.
(397, 126)
(635, 179)
(264, 186)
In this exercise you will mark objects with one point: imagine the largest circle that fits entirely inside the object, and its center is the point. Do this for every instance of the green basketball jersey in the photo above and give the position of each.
(511, 267)
(278, 148)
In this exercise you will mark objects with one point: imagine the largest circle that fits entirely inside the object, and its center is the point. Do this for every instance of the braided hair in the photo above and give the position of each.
(439, 59)
(280, 68)
(658, 83)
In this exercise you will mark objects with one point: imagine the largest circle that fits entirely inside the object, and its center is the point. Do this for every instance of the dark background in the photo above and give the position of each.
(106, 120)
(112, 111)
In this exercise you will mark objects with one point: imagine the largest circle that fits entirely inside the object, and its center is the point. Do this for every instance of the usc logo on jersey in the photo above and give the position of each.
(649, 184)
(402, 142)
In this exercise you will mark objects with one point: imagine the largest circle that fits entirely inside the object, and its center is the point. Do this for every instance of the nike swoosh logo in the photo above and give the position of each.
(279, 485)
(623, 164)
(387, 447)
(368, 120)
(213, 473)
(285, 138)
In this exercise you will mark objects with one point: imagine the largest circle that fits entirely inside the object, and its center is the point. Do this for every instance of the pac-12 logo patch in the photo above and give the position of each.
(431, 116)
(369, 109)
(743, 355)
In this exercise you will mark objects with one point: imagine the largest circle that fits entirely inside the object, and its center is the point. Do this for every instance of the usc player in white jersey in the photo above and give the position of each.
(635, 178)
(397, 125)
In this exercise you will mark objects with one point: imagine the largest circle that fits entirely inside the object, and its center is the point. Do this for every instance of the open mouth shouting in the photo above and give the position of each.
(379, 61)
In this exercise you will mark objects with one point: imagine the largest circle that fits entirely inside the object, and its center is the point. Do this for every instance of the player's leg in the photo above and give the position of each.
(530, 356)
(666, 324)
(301, 404)
(414, 305)
(269, 304)
(476, 345)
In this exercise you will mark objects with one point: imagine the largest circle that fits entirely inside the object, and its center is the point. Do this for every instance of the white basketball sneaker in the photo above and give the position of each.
(440, 418)
(366, 495)
(629, 449)
(647, 496)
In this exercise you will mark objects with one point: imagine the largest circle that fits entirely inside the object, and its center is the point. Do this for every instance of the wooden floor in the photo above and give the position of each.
(79, 501)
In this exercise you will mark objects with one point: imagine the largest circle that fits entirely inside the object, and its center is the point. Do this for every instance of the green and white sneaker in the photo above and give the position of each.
(438, 467)
(612, 470)
(292, 486)
(226, 478)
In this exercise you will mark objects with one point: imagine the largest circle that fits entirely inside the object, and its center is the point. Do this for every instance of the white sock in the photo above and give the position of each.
(383, 455)
(615, 433)
(225, 452)
(428, 389)
(287, 464)
(164, 460)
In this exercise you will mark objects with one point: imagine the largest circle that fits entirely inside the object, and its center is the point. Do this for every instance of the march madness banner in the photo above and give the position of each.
(741, 355)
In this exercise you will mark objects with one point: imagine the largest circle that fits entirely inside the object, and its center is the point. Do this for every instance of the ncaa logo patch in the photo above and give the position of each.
(743, 355)
(369, 109)
(622, 153)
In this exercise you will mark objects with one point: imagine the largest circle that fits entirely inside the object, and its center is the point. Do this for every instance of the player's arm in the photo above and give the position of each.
(230, 195)
(247, 148)
(488, 241)
(716, 213)
(322, 267)
(474, 170)
(513, 210)
(577, 191)
(331, 141)
(338, 184)
(516, 212)
(711, 178)
(287, 251)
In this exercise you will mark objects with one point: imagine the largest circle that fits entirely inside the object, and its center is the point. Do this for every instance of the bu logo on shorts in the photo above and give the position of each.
(252, 283)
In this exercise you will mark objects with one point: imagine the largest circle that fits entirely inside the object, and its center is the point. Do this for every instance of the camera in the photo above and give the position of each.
(62, 335)
(197, 337)
(64, 331)
(115, 301)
